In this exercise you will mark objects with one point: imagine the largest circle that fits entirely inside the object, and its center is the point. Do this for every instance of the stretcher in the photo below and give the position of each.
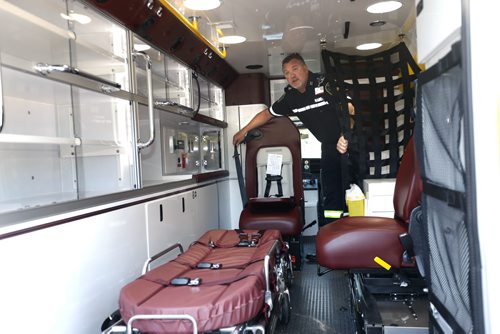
(228, 281)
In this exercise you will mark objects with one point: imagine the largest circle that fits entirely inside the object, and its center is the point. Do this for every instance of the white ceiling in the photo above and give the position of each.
(322, 19)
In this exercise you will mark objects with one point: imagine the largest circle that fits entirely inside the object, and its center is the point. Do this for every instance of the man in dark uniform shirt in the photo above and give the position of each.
(309, 97)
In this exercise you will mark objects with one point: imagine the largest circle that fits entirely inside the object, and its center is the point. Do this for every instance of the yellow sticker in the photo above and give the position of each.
(382, 263)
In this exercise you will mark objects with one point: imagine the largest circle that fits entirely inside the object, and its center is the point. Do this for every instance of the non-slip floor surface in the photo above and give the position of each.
(319, 304)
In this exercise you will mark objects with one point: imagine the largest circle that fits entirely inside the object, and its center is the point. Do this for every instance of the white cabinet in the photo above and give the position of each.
(379, 195)
(445, 18)
(182, 218)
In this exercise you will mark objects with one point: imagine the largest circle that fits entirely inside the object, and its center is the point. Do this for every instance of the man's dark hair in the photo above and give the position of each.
(292, 56)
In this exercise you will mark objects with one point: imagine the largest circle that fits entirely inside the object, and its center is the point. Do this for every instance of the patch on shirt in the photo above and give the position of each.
(311, 106)
(319, 90)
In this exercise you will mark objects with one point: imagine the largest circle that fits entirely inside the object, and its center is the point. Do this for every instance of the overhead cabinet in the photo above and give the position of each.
(89, 108)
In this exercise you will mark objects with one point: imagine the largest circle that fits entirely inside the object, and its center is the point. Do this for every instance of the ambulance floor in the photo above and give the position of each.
(319, 304)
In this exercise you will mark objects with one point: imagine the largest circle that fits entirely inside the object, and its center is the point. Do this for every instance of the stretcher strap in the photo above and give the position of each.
(246, 240)
(196, 281)
(216, 243)
(382, 90)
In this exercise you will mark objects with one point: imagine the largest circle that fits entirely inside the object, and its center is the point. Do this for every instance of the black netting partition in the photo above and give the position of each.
(381, 87)
(440, 153)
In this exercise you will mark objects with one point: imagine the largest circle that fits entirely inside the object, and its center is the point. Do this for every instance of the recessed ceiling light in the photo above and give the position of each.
(377, 23)
(368, 46)
(384, 7)
(201, 4)
(232, 39)
(80, 18)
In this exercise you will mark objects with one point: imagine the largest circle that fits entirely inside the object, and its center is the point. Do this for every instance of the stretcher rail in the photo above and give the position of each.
(161, 317)
(159, 255)
(268, 294)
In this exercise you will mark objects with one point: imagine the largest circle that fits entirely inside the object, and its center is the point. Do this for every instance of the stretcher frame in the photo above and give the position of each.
(284, 277)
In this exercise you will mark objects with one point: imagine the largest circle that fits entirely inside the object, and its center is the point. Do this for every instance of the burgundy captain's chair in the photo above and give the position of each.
(354, 242)
(281, 213)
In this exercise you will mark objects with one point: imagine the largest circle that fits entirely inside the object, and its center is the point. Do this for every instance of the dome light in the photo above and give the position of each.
(201, 4)
(368, 46)
(232, 39)
(384, 7)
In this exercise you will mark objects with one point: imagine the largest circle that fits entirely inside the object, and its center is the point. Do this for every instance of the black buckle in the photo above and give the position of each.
(244, 243)
(181, 281)
(208, 265)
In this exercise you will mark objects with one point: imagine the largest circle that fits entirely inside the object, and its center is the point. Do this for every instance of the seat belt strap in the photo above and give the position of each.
(239, 172)
(269, 179)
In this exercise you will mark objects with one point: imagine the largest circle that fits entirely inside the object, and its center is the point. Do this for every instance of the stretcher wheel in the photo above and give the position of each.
(288, 277)
(272, 324)
(111, 320)
(285, 309)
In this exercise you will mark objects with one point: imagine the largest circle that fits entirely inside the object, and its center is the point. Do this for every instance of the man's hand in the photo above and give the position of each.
(239, 136)
(342, 145)
(258, 120)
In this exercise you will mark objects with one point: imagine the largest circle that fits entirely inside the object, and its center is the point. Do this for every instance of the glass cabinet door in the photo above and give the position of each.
(216, 102)
(105, 158)
(37, 143)
(33, 32)
(178, 80)
(211, 150)
(100, 45)
(157, 70)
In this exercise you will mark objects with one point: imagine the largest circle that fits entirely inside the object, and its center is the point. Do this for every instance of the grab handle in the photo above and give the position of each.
(107, 86)
(184, 110)
(150, 101)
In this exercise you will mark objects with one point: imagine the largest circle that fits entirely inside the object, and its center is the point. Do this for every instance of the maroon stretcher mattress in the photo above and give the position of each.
(226, 297)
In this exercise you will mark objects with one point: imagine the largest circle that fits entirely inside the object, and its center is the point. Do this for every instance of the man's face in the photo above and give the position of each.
(296, 74)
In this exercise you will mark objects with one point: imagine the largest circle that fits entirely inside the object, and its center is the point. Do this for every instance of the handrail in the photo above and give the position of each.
(162, 317)
(29, 139)
(168, 103)
(160, 254)
(193, 28)
(268, 297)
(150, 101)
(107, 86)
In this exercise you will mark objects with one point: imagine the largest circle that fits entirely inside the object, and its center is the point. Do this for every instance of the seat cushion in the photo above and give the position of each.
(354, 242)
(284, 219)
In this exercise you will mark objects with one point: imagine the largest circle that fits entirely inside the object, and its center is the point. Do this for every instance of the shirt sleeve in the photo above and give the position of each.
(280, 107)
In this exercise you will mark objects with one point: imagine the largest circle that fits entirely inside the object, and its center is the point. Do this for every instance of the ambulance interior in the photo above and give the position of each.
(116, 156)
